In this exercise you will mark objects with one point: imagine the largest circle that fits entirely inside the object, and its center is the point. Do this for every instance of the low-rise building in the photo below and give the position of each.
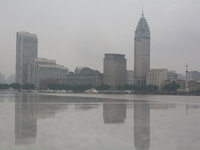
(193, 86)
(49, 72)
(195, 75)
(180, 82)
(84, 77)
(45, 82)
(40, 69)
(156, 77)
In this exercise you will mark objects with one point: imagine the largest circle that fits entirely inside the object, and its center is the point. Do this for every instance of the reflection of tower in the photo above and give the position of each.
(114, 111)
(141, 52)
(186, 109)
(141, 125)
(25, 124)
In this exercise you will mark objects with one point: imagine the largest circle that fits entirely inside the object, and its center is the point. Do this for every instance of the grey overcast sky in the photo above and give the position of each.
(79, 32)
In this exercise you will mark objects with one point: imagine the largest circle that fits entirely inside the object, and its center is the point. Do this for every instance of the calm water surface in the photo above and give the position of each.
(98, 122)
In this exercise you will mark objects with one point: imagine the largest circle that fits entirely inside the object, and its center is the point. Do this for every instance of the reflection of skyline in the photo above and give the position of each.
(142, 125)
(114, 111)
(25, 124)
(30, 107)
(1, 99)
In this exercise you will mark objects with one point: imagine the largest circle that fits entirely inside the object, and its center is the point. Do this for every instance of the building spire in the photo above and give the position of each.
(186, 67)
(142, 12)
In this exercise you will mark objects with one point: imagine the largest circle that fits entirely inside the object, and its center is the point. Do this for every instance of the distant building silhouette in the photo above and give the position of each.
(141, 52)
(26, 50)
(78, 69)
(171, 74)
(114, 69)
(11, 79)
(2, 78)
(195, 75)
(130, 77)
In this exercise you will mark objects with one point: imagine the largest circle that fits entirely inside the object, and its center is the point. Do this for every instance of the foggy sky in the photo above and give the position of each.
(79, 32)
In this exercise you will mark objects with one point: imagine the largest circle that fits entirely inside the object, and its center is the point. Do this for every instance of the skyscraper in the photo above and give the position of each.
(141, 52)
(114, 71)
(26, 50)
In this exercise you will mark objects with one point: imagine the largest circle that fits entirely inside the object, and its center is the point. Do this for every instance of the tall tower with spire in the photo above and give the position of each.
(141, 51)
(186, 82)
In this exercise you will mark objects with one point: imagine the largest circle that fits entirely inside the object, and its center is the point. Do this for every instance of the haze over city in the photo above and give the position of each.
(79, 33)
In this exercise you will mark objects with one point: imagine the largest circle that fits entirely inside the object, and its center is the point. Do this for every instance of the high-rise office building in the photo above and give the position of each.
(114, 70)
(26, 50)
(141, 52)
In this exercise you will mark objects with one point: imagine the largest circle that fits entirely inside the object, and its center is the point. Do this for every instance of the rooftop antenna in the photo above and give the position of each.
(186, 67)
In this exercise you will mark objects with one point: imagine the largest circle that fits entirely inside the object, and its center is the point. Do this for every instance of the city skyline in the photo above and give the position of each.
(71, 32)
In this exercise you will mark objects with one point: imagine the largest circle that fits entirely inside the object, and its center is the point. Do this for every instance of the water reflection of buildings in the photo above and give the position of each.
(30, 107)
(114, 111)
(1, 98)
(142, 125)
(191, 106)
(25, 124)
(142, 121)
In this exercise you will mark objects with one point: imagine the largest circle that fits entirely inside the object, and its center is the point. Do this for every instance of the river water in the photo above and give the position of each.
(31, 121)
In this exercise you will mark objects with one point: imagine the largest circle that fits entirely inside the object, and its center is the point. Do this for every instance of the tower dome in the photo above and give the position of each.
(142, 30)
